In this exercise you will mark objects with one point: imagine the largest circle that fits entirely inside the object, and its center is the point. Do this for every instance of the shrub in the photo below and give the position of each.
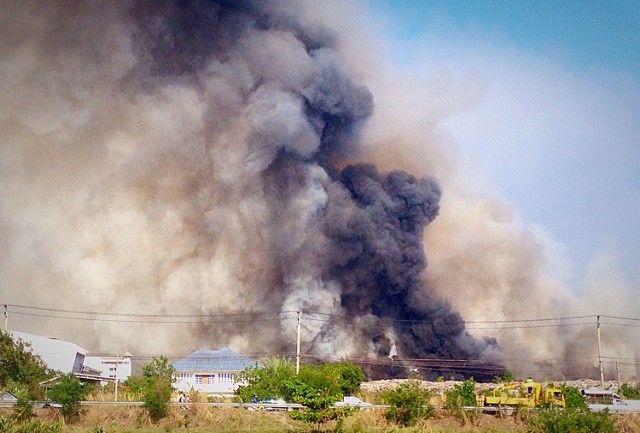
(573, 397)
(630, 392)
(408, 403)
(317, 387)
(571, 421)
(157, 389)
(69, 392)
(462, 395)
(30, 426)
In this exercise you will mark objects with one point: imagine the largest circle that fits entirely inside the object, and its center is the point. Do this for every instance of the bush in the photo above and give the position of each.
(317, 387)
(30, 426)
(69, 392)
(573, 397)
(630, 392)
(157, 389)
(571, 421)
(408, 403)
(462, 395)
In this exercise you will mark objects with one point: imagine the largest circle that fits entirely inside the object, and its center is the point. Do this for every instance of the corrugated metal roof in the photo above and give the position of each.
(224, 359)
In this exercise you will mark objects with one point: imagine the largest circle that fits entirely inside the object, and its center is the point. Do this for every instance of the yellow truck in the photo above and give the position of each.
(523, 393)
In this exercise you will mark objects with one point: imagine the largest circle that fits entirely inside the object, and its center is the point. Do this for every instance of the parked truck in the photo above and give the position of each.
(522, 393)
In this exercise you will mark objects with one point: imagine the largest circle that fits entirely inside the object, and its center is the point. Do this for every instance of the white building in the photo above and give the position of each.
(210, 371)
(111, 367)
(59, 355)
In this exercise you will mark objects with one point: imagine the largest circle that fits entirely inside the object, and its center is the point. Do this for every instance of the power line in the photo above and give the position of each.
(254, 314)
(183, 322)
(96, 313)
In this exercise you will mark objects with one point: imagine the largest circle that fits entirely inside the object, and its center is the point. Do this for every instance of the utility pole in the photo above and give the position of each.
(298, 347)
(600, 352)
(116, 379)
(6, 318)
(618, 374)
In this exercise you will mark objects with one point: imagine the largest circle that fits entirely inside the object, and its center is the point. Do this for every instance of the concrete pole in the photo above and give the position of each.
(600, 353)
(298, 347)
(116, 391)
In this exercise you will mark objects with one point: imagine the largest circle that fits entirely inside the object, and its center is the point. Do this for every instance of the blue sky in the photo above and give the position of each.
(557, 130)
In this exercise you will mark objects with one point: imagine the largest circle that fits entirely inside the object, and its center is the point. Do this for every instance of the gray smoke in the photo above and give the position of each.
(199, 158)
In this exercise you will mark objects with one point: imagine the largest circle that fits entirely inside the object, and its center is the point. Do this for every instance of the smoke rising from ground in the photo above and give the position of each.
(228, 157)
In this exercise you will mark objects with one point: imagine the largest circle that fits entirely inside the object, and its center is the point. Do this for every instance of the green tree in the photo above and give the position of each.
(317, 387)
(21, 372)
(573, 397)
(267, 380)
(408, 403)
(462, 395)
(20, 368)
(69, 392)
(157, 389)
(347, 376)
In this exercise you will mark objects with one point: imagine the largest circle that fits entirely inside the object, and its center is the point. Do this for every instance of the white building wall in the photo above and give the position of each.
(206, 382)
(57, 354)
(110, 366)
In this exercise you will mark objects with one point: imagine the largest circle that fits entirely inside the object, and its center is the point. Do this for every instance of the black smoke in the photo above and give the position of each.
(370, 224)
(224, 174)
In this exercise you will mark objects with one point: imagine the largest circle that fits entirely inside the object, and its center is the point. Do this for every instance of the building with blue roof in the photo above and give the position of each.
(210, 371)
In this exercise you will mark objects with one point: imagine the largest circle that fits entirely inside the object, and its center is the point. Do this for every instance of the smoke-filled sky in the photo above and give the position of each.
(555, 128)
(415, 187)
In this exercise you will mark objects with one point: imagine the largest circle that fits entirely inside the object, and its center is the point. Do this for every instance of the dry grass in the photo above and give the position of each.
(200, 419)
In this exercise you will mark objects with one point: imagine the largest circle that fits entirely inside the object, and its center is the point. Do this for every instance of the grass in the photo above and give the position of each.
(228, 420)
(111, 419)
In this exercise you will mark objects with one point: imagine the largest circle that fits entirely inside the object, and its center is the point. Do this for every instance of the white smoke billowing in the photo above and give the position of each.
(153, 164)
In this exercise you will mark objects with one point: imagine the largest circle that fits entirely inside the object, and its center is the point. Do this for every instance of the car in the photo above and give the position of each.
(352, 401)
(274, 404)
(46, 404)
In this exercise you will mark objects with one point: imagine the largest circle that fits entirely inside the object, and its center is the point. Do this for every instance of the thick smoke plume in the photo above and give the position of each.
(215, 158)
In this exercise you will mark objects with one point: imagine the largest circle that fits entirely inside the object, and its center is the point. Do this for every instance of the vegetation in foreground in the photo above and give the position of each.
(317, 387)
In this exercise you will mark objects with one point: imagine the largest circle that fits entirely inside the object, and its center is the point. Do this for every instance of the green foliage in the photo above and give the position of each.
(20, 370)
(348, 376)
(266, 381)
(571, 421)
(30, 426)
(462, 395)
(408, 403)
(23, 409)
(317, 387)
(157, 388)
(505, 378)
(573, 397)
(630, 392)
(69, 392)
(135, 386)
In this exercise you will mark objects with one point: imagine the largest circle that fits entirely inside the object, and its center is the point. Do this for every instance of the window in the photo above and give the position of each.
(204, 379)
(226, 377)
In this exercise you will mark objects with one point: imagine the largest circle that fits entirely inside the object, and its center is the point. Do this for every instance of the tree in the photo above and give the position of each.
(266, 381)
(21, 372)
(19, 367)
(573, 397)
(408, 403)
(157, 390)
(462, 395)
(69, 392)
(317, 387)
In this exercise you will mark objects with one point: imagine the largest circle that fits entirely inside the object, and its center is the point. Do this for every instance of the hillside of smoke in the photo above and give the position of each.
(216, 158)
